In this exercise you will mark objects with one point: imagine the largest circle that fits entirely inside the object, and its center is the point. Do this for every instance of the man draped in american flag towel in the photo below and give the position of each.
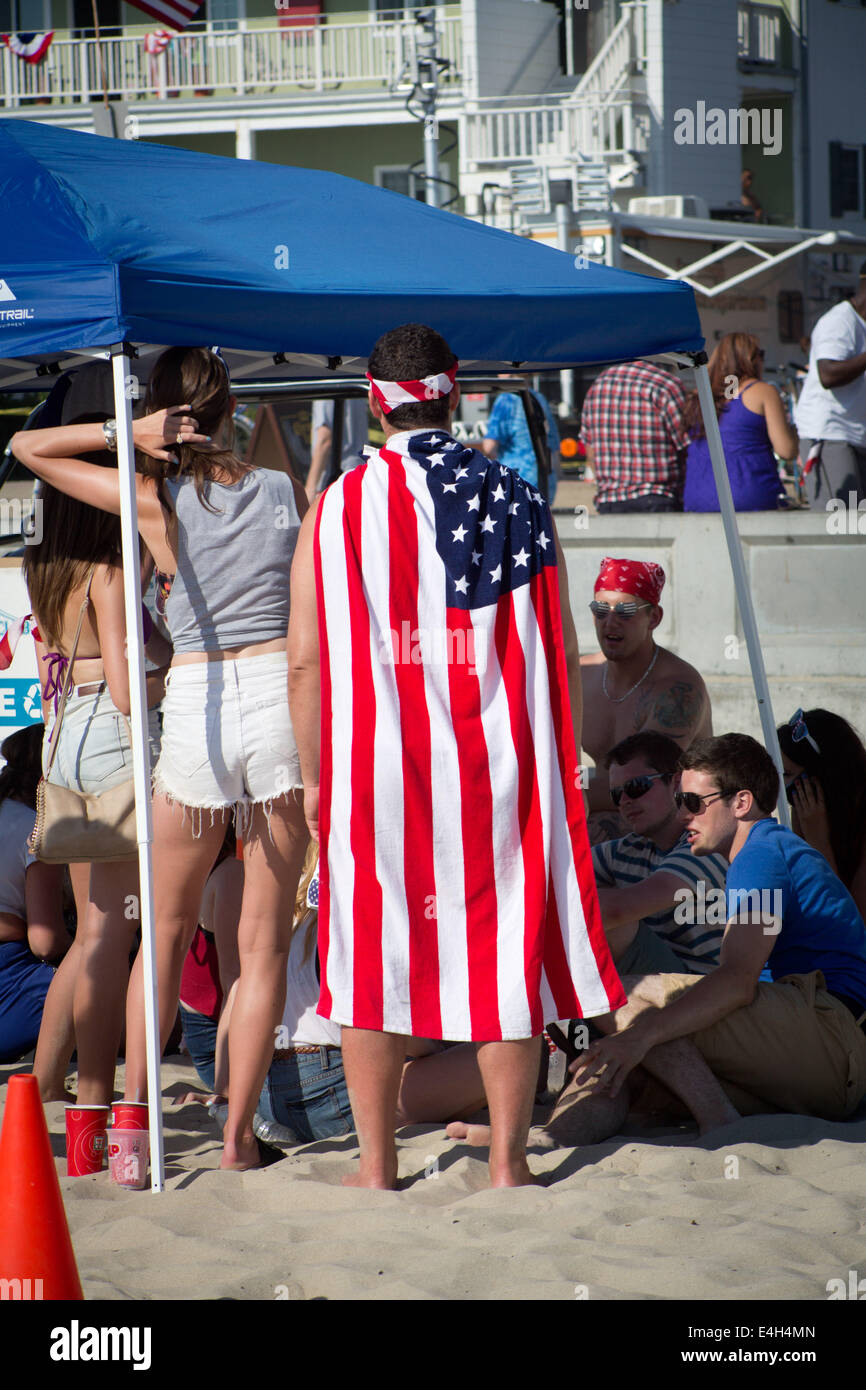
(428, 630)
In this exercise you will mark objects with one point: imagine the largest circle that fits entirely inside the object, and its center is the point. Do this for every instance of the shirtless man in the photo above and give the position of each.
(634, 685)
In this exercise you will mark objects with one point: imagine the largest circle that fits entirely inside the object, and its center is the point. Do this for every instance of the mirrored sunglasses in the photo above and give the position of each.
(619, 610)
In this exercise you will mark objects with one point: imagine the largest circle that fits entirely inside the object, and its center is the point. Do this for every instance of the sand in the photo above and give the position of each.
(769, 1208)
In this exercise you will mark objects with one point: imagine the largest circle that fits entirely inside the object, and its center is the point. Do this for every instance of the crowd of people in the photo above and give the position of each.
(645, 440)
(374, 883)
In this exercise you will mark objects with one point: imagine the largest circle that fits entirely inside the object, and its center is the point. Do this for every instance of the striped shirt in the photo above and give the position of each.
(620, 863)
(632, 419)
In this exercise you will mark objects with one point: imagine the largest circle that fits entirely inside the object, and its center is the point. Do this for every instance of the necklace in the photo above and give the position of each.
(618, 699)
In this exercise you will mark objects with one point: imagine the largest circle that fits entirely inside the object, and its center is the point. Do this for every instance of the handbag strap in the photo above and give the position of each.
(67, 680)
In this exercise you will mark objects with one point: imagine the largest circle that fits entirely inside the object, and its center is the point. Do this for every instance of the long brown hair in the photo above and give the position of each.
(196, 377)
(74, 537)
(736, 355)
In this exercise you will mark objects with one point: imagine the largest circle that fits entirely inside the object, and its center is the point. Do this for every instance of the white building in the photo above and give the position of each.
(596, 105)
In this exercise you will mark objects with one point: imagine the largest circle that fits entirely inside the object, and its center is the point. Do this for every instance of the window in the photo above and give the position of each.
(224, 14)
(844, 178)
(398, 179)
(790, 309)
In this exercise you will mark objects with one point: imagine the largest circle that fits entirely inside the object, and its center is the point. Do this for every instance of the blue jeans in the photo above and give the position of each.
(24, 982)
(199, 1034)
(307, 1093)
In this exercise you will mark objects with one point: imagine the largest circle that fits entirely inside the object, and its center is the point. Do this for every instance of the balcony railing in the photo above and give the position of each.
(549, 132)
(759, 30)
(242, 61)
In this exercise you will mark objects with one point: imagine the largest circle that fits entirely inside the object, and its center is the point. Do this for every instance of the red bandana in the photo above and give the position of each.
(642, 578)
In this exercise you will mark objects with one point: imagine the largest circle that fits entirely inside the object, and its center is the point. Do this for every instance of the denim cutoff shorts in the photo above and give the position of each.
(227, 738)
(94, 752)
(307, 1093)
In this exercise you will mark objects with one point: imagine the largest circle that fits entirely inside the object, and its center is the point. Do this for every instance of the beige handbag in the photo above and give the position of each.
(81, 827)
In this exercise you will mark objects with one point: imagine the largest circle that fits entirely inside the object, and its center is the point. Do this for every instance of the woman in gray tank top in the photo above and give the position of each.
(227, 533)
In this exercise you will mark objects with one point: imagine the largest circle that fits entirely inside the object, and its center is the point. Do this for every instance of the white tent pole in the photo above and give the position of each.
(140, 752)
(741, 581)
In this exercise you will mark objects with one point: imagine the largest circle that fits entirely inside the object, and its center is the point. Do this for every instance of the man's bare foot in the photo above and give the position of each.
(513, 1174)
(726, 1114)
(373, 1175)
(477, 1136)
(242, 1155)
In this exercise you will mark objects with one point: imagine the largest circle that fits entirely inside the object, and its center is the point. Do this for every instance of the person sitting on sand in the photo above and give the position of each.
(304, 1097)
(649, 882)
(724, 1040)
(637, 685)
(825, 783)
(32, 930)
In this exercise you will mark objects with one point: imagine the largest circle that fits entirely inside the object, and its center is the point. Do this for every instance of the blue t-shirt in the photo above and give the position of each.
(821, 927)
(507, 425)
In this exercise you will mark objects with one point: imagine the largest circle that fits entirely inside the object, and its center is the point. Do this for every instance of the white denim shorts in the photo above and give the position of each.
(93, 752)
(227, 738)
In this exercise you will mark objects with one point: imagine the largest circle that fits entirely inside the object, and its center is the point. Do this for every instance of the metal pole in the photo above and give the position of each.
(563, 241)
(569, 38)
(428, 85)
(140, 748)
(741, 582)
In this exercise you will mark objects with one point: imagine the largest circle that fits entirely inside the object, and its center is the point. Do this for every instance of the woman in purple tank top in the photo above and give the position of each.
(227, 533)
(753, 427)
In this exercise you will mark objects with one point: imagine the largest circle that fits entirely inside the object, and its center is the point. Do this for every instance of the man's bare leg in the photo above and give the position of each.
(678, 1064)
(509, 1071)
(373, 1064)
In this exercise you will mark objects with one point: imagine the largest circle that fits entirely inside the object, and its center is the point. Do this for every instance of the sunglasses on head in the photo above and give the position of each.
(799, 732)
(636, 787)
(619, 610)
(696, 804)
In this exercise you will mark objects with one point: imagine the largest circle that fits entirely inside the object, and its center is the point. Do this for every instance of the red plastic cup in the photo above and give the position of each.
(129, 1114)
(86, 1127)
(127, 1156)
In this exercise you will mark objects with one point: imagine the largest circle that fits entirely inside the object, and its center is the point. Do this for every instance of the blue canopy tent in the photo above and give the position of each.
(119, 248)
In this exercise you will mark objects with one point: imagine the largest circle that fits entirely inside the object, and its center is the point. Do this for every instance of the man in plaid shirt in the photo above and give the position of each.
(633, 426)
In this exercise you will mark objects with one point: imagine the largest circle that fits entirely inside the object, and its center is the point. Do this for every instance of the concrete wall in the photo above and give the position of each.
(808, 588)
(509, 46)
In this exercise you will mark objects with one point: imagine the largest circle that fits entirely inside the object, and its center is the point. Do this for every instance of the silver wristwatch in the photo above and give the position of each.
(109, 430)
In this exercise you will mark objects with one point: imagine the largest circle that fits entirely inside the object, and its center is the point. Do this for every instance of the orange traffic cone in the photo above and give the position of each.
(36, 1256)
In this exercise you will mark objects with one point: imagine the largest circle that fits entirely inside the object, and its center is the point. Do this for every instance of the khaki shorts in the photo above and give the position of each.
(794, 1048)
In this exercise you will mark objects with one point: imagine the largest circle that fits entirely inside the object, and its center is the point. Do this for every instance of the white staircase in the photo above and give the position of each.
(592, 135)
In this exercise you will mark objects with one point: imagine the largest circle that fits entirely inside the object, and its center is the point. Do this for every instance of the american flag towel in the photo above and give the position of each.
(456, 895)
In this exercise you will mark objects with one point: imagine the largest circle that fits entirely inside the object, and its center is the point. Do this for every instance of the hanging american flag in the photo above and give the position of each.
(31, 47)
(177, 13)
(457, 898)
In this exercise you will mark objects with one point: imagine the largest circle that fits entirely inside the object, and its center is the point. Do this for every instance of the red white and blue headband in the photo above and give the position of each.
(391, 394)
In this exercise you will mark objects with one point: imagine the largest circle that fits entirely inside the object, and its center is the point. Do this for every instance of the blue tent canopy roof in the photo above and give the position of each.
(104, 240)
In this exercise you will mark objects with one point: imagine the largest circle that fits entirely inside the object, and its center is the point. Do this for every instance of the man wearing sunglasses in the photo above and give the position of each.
(797, 1044)
(636, 685)
(646, 878)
